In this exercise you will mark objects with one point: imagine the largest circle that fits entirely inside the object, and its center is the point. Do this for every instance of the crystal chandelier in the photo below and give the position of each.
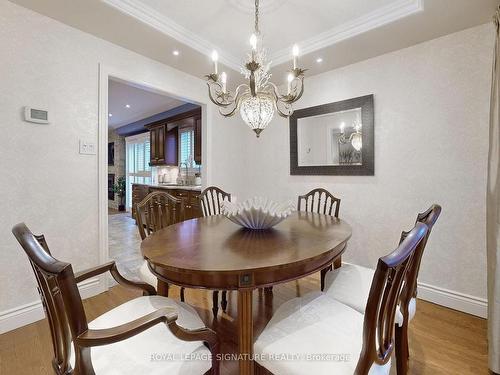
(259, 98)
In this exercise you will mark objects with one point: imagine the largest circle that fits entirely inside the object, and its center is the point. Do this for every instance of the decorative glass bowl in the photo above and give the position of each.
(257, 213)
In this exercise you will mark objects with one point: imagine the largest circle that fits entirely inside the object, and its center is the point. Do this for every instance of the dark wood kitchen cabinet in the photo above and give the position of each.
(191, 198)
(164, 146)
(157, 144)
(139, 192)
(164, 138)
(172, 147)
(197, 139)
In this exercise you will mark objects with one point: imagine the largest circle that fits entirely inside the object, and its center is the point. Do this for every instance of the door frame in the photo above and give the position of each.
(141, 79)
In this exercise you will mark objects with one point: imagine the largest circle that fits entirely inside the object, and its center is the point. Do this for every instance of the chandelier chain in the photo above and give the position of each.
(257, 31)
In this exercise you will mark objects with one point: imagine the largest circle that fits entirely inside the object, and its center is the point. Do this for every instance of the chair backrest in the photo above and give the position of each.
(429, 218)
(157, 211)
(60, 297)
(385, 293)
(320, 201)
(211, 200)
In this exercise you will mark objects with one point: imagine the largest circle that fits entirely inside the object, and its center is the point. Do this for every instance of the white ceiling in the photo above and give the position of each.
(142, 103)
(341, 32)
(227, 24)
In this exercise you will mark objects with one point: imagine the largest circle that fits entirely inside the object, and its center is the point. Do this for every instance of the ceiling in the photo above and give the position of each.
(142, 103)
(340, 32)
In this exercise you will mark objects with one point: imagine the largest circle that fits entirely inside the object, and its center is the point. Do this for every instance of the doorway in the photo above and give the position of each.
(125, 107)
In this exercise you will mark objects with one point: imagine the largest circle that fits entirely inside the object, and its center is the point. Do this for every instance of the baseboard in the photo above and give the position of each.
(33, 311)
(454, 300)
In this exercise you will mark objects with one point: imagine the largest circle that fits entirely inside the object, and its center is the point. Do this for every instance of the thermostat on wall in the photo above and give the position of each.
(40, 116)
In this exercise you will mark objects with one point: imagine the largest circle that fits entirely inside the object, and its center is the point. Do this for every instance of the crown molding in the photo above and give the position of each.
(380, 17)
(169, 27)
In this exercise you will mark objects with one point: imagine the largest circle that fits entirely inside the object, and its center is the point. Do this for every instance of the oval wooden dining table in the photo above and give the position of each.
(214, 253)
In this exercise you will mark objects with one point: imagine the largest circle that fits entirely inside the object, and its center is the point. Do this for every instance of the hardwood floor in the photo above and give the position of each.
(442, 341)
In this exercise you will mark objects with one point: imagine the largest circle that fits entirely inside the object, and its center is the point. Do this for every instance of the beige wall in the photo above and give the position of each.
(431, 114)
(46, 182)
(431, 144)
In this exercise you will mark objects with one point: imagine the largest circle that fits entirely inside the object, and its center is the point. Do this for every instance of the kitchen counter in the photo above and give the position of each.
(173, 187)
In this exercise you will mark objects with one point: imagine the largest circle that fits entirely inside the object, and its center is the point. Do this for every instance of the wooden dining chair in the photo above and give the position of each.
(156, 211)
(321, 201)
(211, 204)
(124, 339)
(350, 285)
(333, 338)
(211, 200)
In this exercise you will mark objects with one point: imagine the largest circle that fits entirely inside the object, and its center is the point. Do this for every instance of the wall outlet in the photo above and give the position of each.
(87, 147)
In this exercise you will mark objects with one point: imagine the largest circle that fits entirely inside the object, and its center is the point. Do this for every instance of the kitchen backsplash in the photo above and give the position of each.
(170, 175)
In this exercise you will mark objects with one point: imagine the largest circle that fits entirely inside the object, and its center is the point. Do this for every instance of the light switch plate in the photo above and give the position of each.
(87, 147)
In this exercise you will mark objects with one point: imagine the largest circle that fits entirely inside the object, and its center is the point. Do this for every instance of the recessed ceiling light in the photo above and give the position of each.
(110, 115)
(127, 105)
(319, 60)
(175, 53)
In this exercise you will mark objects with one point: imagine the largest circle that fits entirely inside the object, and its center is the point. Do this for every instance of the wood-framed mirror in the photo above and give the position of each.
(334, 139)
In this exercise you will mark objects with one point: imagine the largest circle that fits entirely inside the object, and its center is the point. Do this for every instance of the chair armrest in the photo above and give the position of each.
(111, 267)
(203, 334)
(98, 337)
(94, 271)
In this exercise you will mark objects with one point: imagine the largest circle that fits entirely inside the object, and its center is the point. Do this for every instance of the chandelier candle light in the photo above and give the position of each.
(259, 98)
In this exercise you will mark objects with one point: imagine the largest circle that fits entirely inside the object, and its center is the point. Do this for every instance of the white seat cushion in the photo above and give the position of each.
(314, 324)
(155, 351)
(147, 276)
(350, 284)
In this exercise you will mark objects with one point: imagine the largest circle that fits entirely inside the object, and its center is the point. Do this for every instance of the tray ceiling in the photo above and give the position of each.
(330, 33)
(226, 25)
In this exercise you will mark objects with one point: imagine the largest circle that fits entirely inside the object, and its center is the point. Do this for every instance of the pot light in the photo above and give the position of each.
(127, 105)
(319, 60)
(175, 52)
(110, 115)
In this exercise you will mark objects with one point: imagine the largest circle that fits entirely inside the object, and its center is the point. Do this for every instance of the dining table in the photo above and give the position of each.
(215, 253)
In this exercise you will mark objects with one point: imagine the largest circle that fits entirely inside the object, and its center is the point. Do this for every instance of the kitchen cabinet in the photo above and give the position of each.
(164, 137)
(157, 144)
(192, 207)
(197, 139)
(139, 192)
(172, 147)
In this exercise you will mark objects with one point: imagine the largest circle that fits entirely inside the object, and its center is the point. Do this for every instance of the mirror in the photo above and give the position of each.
(335, 138)
(330, 139)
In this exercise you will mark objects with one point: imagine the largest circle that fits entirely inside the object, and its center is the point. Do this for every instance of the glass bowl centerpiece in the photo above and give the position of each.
(257, 213)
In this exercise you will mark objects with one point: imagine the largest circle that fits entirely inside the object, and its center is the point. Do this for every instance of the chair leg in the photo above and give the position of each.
(323, 275)
(215, 302)
(182, 294)
(223, 301)
(402, 350)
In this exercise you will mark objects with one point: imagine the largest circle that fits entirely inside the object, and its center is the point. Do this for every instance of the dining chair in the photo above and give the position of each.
(350, 285)
(321, 201)
(123, 340)
(317, 334)
(157, 211)
(211, 204)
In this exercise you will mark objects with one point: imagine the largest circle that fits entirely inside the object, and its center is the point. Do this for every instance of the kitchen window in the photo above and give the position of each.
(137, 163)
(186, 147)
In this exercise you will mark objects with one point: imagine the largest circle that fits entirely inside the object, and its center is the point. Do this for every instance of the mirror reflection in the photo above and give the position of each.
(330, 139)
